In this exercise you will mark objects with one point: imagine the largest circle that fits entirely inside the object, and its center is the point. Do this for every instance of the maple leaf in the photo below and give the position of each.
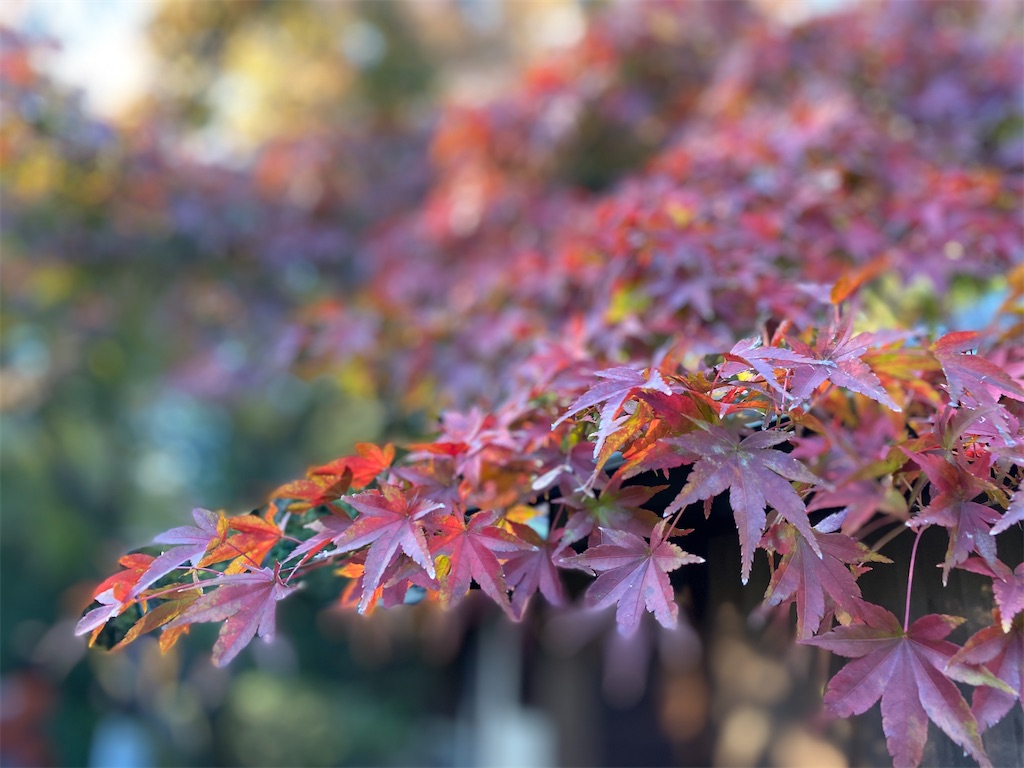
(615, 507)
(389, 523)
(1001, 653)
(370, 460)
(1007, 586)
(93, 621)
(192, 545)
(469, 551)
(314, 491)
(905, 670)
(634, 576)
(327, 530)
(158, 617)
(1014, 513)
(122, 582)
(670, 415)
(806, 578)
(401, 574)
(620, 383)
(755, 475)
(254, 539)
(750, 354)
(245, 602)
(860, 500)
(532, 570)
(968, 522)
(972, 373)
(843, 367)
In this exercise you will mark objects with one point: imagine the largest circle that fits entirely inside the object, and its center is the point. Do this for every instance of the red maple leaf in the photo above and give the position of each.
(533, 570)
(844, 368)
(968, 522)
(245, 602)
(389, 522)
(755, 475)
(1001, 653)
(634, 576)
(121, 583)
(905, 669)
(254, 539)
(370, 460)
(618, 385)
(314, 491)
(470, 551)
(983, 379)
(815, 582)
(615, 507)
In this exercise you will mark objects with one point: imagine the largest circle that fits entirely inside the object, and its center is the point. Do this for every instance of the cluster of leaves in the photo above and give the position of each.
(700, 314)
(762, 185)
(506, 500)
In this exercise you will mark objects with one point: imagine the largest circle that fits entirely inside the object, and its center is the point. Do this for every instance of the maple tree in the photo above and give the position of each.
(708, 311)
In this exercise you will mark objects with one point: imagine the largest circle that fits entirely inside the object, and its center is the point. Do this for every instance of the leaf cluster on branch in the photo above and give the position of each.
(706, 311)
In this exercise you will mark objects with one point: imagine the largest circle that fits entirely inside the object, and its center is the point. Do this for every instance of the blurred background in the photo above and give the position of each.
(186, 188)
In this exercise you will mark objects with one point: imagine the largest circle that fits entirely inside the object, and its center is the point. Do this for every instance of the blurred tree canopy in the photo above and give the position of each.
(234, 64)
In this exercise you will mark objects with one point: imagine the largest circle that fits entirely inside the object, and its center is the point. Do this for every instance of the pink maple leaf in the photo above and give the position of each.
(905, 669)
(245, 602)
(814, 582)
(192, 545)
(1007, 586)
(967, 522)
(389, 522)
(755, 475)
(533, 570)
(1001, 653)
(634, 576)
(843, 366)
(972, 373)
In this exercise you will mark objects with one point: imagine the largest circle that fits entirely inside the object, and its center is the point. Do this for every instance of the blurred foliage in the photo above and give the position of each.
(236, 62)
(145, 332)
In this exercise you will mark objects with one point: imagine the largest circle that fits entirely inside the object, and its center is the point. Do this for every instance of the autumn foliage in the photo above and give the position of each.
(733, 299)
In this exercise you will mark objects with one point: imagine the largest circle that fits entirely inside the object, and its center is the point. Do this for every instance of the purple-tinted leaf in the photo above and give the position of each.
(756, 477)
(845, 368)
(534, 570)
(1000, 652)
(245, 602)
(634, 576)
(192, 545)
(972, 373)
(812, 581)
(906, 671)
(1014, 513)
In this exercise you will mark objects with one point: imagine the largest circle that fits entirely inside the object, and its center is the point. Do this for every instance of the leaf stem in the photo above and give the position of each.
(910, 577)
(675, 519)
